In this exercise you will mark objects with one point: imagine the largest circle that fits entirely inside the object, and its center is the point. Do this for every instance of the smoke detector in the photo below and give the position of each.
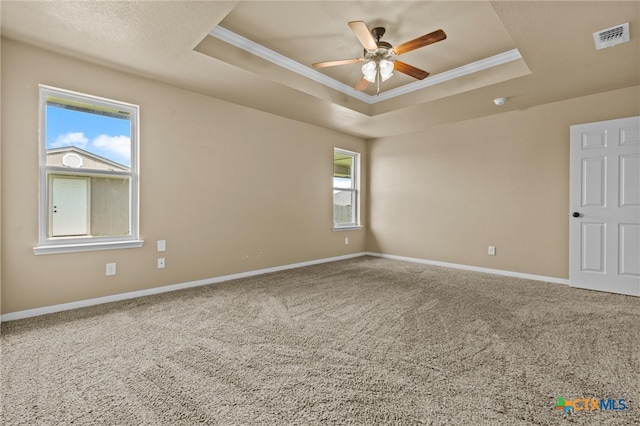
(611, 36)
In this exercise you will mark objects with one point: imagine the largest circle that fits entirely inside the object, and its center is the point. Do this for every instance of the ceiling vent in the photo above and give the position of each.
(611, 36)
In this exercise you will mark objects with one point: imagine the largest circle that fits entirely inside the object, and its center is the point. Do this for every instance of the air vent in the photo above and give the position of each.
(611, 36)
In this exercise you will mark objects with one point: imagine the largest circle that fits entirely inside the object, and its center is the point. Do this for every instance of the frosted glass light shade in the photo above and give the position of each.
(386, 69)
(370, 68)
(369, 71)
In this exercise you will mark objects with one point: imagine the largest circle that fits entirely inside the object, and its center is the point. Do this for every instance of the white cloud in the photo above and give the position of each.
(118, 145)
(70, 139)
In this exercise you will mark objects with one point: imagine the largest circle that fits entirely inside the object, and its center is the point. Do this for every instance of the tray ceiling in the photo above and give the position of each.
(530, 52)
(298, 34)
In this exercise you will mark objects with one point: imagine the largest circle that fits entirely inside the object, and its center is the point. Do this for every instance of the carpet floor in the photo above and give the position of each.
(362, 341)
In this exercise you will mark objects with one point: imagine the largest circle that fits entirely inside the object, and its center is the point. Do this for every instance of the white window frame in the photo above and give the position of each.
(355, 189)
(52, 245)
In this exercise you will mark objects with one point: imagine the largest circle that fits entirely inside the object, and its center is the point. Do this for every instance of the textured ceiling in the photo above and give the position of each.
(318, 31)
(461, 54)
(170, 41)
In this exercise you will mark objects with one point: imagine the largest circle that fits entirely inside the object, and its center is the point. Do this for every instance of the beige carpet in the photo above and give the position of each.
(364, 341)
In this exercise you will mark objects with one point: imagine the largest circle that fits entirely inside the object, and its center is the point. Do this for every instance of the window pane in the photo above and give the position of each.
(83, 136)
(345, 183)
(345, 187)
(342, 170)
(343, 207)
(109, 206)
(88, 206)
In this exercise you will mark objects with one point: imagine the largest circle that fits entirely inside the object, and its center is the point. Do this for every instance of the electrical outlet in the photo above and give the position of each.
(111, 269)
(162, 245)
(491, 251)
(160, 262)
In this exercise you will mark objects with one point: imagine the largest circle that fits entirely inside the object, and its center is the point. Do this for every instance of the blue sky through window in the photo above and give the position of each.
(108, 137)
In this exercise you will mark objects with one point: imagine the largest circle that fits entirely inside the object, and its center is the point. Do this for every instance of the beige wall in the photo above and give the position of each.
(233, 189)
(229, 188)
(448, 193)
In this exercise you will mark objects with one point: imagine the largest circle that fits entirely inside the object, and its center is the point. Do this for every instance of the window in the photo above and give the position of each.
(88, 173)
(345, 189)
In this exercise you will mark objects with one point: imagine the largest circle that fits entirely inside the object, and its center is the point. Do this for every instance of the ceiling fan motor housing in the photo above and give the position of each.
(383, 50)
(383, 46)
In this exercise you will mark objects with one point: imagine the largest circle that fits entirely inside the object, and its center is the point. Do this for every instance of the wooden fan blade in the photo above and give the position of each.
(361, 31)
(362, 84)
(338, 62)
(410, 70)
(425, 40)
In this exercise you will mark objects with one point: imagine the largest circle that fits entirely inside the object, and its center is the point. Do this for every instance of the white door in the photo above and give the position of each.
(69, 206)
(604, 231)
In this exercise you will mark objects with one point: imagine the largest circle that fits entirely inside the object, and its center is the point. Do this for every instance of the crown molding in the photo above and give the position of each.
(265, 53)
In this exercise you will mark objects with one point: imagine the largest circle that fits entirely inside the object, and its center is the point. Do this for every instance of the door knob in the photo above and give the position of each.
(575, 214)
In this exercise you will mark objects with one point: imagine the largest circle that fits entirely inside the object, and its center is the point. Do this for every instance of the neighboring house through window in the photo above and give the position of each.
(346, 176)
(88, 173)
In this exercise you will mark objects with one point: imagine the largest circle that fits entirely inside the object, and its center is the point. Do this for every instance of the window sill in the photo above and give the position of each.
(347, 228)
(74, 248)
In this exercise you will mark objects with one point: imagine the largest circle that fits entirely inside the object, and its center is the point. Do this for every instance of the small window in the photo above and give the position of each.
(88, 173)
(345, 188)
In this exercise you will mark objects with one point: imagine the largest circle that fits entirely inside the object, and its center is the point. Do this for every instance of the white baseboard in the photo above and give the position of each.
(164, 289)
(173, 287)
(472, 268)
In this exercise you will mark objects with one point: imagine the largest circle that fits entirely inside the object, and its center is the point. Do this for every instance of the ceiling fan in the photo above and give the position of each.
(379, 56)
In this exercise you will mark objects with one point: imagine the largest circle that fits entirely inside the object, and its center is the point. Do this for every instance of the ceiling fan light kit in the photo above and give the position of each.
(379, 56)
(371, 68)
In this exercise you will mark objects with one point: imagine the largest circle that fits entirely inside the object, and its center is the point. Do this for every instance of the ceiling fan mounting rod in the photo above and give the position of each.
(378, 32)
